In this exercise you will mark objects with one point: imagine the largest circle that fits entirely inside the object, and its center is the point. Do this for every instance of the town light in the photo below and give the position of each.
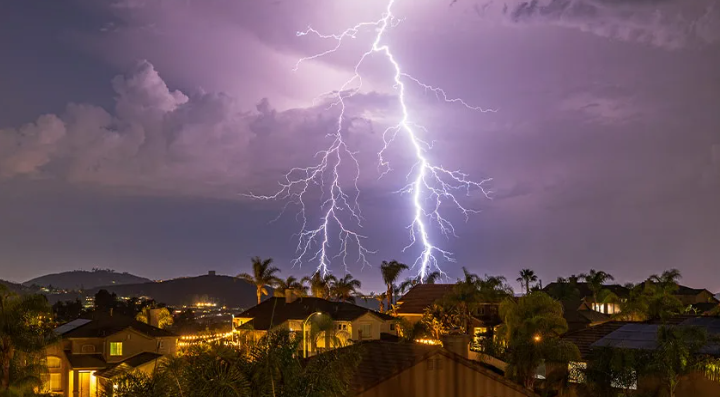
(537, 338)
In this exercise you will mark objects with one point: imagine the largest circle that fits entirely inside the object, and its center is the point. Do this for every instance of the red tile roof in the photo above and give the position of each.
(421, 296)
(275, 311)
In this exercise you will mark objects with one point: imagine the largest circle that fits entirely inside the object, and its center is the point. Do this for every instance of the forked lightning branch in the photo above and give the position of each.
(429, 185)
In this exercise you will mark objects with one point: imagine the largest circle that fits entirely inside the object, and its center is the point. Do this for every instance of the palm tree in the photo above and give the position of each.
(595, 281)
(263, 275)
(677, 353)
(320, 285)
(345, 289)
(667, 281)
(381, 300)
(164, 318)
(527, 276)
(390, 273)
(432, 277)
(22, 334)
(492, 289)
(292, 283)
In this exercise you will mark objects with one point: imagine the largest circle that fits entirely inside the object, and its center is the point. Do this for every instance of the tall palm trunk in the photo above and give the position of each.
(389, 296)
(259, 294)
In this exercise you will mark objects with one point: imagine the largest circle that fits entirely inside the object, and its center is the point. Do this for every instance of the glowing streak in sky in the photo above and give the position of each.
(430, 186)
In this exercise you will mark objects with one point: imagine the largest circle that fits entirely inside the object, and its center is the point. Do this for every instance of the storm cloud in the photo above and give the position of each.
(603, 152)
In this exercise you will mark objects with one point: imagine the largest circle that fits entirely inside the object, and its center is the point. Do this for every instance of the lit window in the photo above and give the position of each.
(116, 348)
(53, 362)
(576, 372)
(53, 382)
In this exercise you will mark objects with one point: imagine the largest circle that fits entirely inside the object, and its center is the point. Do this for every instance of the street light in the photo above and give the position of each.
(305, 349)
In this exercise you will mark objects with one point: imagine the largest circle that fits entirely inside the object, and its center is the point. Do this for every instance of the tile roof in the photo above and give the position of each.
(104, 324)
(275, 311)
(85, 361)
(579, 316)
(128, 365)
(584, 338)
(421, 296)
(67, 327)
(382, 360)
(644, 336)
(683, 290)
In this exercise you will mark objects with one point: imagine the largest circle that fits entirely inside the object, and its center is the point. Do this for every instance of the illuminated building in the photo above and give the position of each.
(90, 353)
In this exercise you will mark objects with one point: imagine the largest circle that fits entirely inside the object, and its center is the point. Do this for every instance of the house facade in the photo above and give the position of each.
(328, 324)
(483, 323)
(633, 335)
(91, 352)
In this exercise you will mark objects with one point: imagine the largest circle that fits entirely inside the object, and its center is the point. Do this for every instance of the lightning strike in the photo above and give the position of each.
(430, 185)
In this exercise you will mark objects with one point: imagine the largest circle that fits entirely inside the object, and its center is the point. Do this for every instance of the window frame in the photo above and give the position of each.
(118, 352)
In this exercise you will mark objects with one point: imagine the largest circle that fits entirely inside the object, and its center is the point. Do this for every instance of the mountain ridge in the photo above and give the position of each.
(184, 291)
(84, 279)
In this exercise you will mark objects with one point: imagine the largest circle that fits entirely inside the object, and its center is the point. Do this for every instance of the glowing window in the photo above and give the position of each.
(53, 362)
(53, 382)
(116, 348)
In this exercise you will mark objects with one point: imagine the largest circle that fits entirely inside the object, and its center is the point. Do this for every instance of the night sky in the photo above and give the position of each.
(130, 131)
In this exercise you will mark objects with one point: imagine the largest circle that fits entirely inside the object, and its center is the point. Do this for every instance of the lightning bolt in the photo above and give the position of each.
(430, 185)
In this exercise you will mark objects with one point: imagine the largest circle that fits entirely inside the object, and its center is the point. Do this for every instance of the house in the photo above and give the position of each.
(585, 294)
(350, 323)
(632, 335)
(412, 305)
(417, 370)
(580, 315)
(90, 352)
(700, 300)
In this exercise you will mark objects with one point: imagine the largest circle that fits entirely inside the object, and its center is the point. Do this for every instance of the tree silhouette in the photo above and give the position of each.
(345, 289)
(263, 275)
(390, 274)
(527, 276)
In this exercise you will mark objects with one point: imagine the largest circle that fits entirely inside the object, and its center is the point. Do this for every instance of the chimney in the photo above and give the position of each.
(457, 343)
(290, 295)
(211, 273)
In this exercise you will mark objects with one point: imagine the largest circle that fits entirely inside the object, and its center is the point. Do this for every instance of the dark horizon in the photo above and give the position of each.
(130, 132)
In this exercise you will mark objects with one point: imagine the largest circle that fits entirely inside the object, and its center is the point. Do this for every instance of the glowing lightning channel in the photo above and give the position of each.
(431, 184)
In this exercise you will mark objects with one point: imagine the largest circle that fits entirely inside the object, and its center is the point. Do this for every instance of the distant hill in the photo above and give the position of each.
(14, 286)
(223, 290)
(82, 279)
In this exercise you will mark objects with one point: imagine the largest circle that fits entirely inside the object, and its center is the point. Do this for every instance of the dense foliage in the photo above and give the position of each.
(271, 367)
(532, 326)
(24, 333)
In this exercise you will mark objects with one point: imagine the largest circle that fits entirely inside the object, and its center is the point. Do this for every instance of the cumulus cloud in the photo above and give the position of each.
(162, 139)
(670, 24)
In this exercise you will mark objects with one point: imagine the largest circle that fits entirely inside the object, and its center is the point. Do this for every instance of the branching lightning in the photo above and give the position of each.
(430, 185)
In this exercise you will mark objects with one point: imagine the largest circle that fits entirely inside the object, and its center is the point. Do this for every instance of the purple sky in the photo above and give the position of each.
(129, 130)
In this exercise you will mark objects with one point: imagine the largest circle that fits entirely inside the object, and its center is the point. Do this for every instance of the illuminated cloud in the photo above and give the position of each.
(670, 24)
